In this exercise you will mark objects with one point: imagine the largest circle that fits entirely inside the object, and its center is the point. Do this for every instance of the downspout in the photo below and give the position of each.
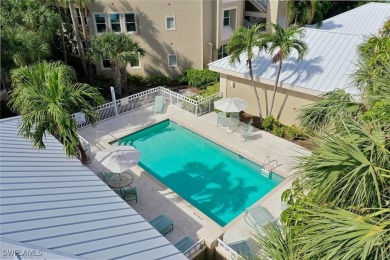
(211, 51)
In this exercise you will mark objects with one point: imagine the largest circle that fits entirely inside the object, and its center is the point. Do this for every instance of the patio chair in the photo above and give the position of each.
(245, 126)
(258, 217)
(158, 105)
(246, 133)
(129, 193)
(221, 119)
(242, 248)
(162, 224)
(185, 244)
(235, 115)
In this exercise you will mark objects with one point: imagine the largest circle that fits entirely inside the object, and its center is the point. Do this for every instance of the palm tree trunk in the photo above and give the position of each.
(117, 79)
(83, 156)
(85, 34)
(276, 85)
(77, 36)
(254, 88)
(62, 34)
(124, 81)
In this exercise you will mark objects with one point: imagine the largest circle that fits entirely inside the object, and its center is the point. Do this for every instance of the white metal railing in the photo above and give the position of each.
(262, 5)
(195, 248)
(145, 98)
(228, 249)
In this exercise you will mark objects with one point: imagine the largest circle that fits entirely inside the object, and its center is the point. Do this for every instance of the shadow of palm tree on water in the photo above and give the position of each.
(211, 189)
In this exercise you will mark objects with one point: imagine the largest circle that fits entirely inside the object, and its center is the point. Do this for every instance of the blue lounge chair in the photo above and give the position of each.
(162, 224)
(129, 193)
(246, 133)
(258, 217)
(158, 105)
(244, 126)
(185, 244)
(242, 248)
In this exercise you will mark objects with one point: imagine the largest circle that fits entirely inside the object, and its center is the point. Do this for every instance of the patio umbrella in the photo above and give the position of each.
(232, 104)
(117, 159)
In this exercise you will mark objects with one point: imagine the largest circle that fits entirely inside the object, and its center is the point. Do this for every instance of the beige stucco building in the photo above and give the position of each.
(327, 66)
(178, 34)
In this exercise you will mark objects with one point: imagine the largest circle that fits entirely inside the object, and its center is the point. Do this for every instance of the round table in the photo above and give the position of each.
(120, 180)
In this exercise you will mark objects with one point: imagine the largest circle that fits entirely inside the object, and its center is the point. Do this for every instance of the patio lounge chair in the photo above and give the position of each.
(158, 105)
(222, 119)
(162, 224)
(245, 126)
(185, 244)
(246, 133)
(258, 217)
(129, 193)
(242, 248)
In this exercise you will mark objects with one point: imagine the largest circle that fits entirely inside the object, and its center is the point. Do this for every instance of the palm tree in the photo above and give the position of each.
(45, 94)
(284, 41)
(243, 41)
(120, 49)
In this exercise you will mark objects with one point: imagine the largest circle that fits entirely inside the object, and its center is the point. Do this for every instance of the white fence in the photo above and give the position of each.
(194, 249)
(145, 98)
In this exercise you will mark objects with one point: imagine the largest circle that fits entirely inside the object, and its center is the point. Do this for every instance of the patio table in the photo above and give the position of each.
(120, 180)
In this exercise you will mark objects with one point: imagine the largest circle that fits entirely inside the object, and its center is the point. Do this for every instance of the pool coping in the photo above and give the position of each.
(287, 179)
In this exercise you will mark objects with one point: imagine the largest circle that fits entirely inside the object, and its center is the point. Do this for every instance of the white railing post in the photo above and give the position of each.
(114, 101)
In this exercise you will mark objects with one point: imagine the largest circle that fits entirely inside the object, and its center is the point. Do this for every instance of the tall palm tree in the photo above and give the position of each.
(243, 41)
(284, 41)
(45, 94)
(121, 50)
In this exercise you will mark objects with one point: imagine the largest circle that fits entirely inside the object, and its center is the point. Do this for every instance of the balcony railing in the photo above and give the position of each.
(234, 255)
(194, 249)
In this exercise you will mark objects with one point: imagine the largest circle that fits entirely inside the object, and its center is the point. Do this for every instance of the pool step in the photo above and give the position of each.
(266, 173)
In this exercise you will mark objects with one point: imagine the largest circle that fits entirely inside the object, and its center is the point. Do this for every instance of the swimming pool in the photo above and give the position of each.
(217, 181)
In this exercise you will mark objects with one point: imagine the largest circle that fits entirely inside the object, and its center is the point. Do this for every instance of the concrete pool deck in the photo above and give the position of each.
(156, 199)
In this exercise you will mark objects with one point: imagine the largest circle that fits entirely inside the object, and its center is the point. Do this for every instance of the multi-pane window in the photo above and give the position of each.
(78, 12)
(226, 18)
(170, 22)
(172, 60)
(100, 22)
(222, 52)
(130, 23)
(115, 22)
(135, 63)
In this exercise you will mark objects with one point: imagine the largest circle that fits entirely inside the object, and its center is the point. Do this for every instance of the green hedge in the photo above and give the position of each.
(199, 78)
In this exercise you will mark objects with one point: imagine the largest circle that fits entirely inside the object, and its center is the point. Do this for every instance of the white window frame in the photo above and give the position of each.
(125, 23)
(102, 65)
(230, 19)
(139, 64)
(94, 22)
(109, 22)
(174, 23)
(80, 16)
(222, 50)
(172, 54)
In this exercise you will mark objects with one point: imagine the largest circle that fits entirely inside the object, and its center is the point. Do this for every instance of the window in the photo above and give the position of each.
(172, 60)
(170, 23)
(135, 63)
(106, 64)
(226, 18)
(100, 23)
(79, 16)
(115, 22)
(222, 52)
(130, 22)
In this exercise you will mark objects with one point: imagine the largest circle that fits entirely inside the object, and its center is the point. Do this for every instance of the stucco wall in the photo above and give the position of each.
(287, 102)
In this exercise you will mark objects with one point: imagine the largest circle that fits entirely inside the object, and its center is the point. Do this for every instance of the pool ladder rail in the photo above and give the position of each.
(268, 167)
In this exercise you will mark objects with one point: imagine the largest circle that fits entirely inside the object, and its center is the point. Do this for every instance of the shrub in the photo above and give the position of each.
(136, 79)
(210, 90)
(278, 131)
(292, 132)
(199, 78)
(157, 80)
(269, 123)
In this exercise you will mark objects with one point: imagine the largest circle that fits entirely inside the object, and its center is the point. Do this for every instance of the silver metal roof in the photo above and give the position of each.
(363, 20)
(331, 57)
(50, 202)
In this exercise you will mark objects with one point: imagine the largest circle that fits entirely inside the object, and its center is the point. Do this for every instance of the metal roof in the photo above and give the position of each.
(363, 20)
(56, 204)
(331, 57)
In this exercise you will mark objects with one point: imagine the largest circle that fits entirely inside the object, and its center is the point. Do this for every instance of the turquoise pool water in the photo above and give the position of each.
(215, 180)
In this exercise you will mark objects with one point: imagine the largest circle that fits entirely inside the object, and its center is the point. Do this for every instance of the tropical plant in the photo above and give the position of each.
(243, 41)
(283, 41)
(302, 12)
(199, 78)
(45, 94)
(120, 49)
